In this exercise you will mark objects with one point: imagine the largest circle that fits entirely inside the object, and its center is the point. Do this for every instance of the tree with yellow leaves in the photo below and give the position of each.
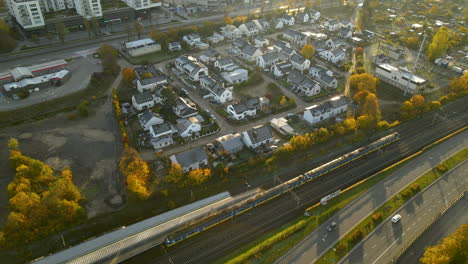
(363, 81)
(175, 174)
(439, 44)
(137, 174)
(368, 104)
(308, 51)
(228, 20)
(128, 74)
(451, 250)
(198, 176)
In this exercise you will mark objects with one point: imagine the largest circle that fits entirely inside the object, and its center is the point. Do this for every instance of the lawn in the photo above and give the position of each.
(152, 58)
(321, 95)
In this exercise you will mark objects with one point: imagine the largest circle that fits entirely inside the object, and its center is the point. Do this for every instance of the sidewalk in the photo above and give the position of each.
(319, 241)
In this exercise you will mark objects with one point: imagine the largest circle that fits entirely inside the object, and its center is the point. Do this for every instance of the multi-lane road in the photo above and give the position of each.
(388, 240)
(319, 241)
(226, 237)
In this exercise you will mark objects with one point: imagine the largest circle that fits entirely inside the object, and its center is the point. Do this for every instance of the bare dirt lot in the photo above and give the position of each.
(88, 146)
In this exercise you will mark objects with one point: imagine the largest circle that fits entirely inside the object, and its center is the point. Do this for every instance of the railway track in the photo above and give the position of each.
(224, 238)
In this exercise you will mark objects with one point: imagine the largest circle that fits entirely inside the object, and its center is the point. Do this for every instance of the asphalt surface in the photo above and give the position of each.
(386, 242)
(228, 236)
(453, 218)
(319, 241)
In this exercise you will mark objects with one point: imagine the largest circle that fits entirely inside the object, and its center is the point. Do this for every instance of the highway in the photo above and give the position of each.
(453, 218)
(319, 241)
(386, 242)
(226, 237)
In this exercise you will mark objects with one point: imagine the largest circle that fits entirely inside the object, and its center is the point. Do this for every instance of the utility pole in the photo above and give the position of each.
(415, 66)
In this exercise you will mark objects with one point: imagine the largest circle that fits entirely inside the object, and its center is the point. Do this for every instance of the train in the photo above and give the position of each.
(287, 186)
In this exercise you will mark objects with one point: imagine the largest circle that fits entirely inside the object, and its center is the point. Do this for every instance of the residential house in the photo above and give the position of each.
(345, 33)
(281, 125)
(261, 42)
(326, 110)
(191, 67)
(299, 62)
(303, 85)
(346, 24)
(145, 100)
(332, 25)
(334, 55)
(162, 142)
(148, 119)
(280, 45)
(148, 78)
(296, 37)
(188, 127)
(334, 43)
(162, 130)
(191, 39)
(230, 143)
(210, 55)
(286, 53)
(281, 69)
(184, 107)
(231, 32)
(314, 16)
(401, 78)
(277, 24)
(223, 64)
(250, 53)
(257, 136)
(174, 46)
(267, 60)
(236, 75)
(217, 91)
(323, 76)
(245, 109)
(215, 38)
(193, 159)
(249, 29)
(302, 17)
(262, 24)
(287, 20)
(142, 47)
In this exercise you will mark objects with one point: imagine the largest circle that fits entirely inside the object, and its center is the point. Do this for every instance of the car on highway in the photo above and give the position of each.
(396, 218)
(331, 226)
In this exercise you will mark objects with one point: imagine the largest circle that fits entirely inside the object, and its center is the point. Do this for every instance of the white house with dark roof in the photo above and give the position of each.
(217, 91)
(280, 45)
(187, 127)
(302, 17)
(281, 69)
(334, 55)
(295, 37)
(250, 52)
(345, 33)
(191, 67)
(332, 25)
(269, 59)
(286, 53)
(230, 143)
(184, 107)
(151, 83)
(193, 159)
(194, 40)
(145, 100)
(333, 43)
(235, 75)
(303, 85)
(174, 46)
(277, 23)
(245, 109)
(299, 62)
(148, 119)
(257, 136)
(346, 24)
(231, 32)
(262, 24)
(261, 41)
(162, 130)
(288, 20)
(223, 64)
(324, 76)
(249, 29)
(314, 16)
(209, 55)
(326, 110)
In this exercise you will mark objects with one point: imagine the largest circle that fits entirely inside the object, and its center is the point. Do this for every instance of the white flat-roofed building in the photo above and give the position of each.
(401, 78)
(27, 13)
(88, 8)
(142, 47)
(141, 4)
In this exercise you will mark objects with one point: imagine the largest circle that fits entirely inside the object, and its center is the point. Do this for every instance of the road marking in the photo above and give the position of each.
(429, 209)
(384, 251)
(374, 246)
(408, 229)
(424, 214)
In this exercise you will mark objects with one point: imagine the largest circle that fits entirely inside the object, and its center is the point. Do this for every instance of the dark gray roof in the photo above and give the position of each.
(231, 143)
(301, 15)
(182, 125)
(147, 116)
(210, 52)
(161, 128)
(143, 97)
(259, 134)
(284, 67)
(192, 156)
(239, 108)
(251, 25)
(252, 103)
(155, 79)
(225, 61)
(337, 52)
(240, 43)
(146, 69)
(298, 59)
(333, 22)
(249, 49)
(343, 100)
(280, 44)
(324, 77)
(269, 57)
(295, 34)
(286, 17)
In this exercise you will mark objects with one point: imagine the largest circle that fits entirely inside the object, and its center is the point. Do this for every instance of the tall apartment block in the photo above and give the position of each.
(27, 13)
(56, 5)
(88, 8)
(141, 4)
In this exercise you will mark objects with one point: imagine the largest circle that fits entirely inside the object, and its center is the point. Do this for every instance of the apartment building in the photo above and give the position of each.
(88, 8)
(27, 13)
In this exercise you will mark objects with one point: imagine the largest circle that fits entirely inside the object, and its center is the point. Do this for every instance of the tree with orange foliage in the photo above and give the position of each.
(452, 249)
(137, 174)
(128, 74)
(228, 20)
(368, 104)
(459, 86)
(363, 81)
(198, 176)
(176, 175)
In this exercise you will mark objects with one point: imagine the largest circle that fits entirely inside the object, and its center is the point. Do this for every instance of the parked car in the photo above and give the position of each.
(396, 218)
(331, 226)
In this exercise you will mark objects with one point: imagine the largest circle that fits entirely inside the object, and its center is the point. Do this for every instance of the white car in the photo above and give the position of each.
(396, 218)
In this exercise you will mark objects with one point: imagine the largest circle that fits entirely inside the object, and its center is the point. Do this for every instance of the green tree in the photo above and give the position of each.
(108, 56)
(176, 175)
(308, 51)
(439, 44)
(95, 26)
(61, 30)
(138, 28)
(7, 43)
(87, 26)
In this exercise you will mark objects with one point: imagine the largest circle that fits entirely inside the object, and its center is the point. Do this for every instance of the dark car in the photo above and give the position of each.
(331, 226)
